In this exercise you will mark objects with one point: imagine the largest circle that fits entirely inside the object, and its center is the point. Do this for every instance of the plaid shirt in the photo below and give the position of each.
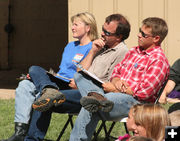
(144, 71)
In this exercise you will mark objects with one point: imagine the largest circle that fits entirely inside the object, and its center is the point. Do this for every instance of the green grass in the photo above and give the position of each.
(57, 123)
(6, 118)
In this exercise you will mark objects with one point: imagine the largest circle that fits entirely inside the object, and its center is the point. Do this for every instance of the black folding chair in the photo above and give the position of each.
(103, 124)
(69, 121)
(108, 131)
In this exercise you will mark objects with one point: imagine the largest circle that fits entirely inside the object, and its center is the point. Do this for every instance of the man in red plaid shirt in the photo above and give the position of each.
(142, 72)
(136, 79)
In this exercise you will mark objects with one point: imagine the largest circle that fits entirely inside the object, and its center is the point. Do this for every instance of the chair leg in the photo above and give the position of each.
(110, 129)
(98, 131)
(106, 131)
(125, 126)
(65, 126)
(71, 121)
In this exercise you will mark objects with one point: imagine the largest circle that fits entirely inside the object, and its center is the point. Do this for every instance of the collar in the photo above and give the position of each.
(149, 51)
(106, 49)
(117, 46)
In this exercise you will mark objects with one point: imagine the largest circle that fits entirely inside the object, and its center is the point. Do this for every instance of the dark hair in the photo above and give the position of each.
(123, 27)
(174, 107)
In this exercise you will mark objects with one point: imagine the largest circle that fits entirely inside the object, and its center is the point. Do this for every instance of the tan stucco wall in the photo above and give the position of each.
(42, 28)
(136, 11)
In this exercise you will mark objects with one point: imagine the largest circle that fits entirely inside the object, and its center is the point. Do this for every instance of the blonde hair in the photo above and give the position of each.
(88, 19)
(154, 118)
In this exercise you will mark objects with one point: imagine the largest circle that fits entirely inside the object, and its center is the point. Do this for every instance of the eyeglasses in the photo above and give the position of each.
(144, 34)
(108, 33)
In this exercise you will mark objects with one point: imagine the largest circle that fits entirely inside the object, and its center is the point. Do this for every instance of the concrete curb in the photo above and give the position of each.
(7, 93)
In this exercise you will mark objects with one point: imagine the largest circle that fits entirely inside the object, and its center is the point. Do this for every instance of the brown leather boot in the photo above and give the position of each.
(95, 102)
(50, 97)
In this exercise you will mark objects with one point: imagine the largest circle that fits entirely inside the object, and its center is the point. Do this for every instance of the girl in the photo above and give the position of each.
(148, 120)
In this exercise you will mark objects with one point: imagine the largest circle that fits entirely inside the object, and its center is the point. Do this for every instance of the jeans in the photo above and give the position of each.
(27, 91)
(40, 120)
(41, 79)
(86, 122)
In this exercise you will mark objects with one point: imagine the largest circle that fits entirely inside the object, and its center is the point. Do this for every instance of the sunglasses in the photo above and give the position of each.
(108, 33)
(144, 34)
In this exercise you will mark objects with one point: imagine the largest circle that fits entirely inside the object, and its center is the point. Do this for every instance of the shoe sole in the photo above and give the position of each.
(46, 104)
(93, 105)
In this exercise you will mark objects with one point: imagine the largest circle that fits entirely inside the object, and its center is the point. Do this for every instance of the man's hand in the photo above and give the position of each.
(109, 87)
(72, 84)
(121, 86)
(97, 45)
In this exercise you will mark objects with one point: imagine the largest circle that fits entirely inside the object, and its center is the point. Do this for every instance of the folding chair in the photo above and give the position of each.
(69, 121)
(160, 92)
(108, 132)
(103, 124)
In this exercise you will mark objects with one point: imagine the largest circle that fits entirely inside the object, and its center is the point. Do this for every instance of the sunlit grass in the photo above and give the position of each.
(57, 123)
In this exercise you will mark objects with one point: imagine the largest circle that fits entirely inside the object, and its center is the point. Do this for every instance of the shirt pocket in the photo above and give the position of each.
(138, 72)
(124, 65)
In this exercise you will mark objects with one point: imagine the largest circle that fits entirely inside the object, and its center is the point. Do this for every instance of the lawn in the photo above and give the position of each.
(57, 123)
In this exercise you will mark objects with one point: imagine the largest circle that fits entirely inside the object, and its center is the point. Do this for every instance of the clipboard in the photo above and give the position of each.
(52, 73)
(88, 73)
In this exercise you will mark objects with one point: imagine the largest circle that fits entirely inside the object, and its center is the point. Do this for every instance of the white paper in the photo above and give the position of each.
(88, 73)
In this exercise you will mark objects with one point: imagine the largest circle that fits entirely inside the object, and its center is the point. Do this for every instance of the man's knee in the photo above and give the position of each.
(77, 76)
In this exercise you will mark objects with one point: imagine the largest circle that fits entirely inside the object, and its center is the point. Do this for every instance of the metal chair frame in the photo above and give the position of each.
(108, 132)
(69, 121)
(103, 124)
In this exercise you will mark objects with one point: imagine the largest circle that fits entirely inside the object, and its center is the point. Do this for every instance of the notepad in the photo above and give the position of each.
(51, 72)
(88, 73)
